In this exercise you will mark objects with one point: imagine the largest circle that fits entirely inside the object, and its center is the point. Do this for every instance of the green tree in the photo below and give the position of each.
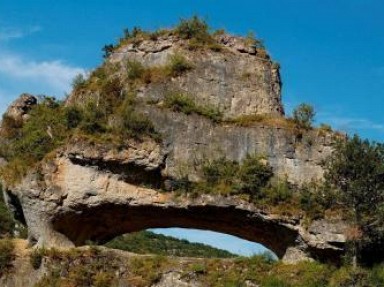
(355, 171)
(107, 50)
(78, 82)
(304, 115)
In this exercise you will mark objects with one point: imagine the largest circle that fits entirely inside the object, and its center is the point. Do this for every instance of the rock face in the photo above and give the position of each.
(191, 140)
(235, 80)
(19, 109)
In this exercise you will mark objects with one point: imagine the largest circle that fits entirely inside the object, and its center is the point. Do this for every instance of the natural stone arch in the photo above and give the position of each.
(80, 202)
(102, 223)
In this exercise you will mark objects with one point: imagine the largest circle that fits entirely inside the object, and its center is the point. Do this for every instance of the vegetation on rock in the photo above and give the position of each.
(180, 102)
(303, 115)
(6, 220)
(96, 267)
(51, 124)
(7, 255)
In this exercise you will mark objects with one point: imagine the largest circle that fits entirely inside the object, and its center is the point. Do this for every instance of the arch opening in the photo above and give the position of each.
(230, 243)
(103, 223)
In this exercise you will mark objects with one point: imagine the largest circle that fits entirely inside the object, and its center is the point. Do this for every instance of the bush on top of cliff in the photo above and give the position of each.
(195, 31)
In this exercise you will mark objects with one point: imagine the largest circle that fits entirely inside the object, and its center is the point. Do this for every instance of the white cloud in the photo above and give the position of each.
(55, 74)
(354, 125)
(19, 75)
(10, 33)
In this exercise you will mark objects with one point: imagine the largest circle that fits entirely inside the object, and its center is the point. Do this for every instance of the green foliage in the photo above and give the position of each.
(253, 41)
(356, 172)
(6, 255)
(223, 176)
(178, 65)
(79, 268)
(131, 122)
(107, 50)
(277, 191)
(103, 268)
(228, 176)
(45, 130)
(183, 103)
(193, 28)
(78, 82)
(304, 115)
(135, 70)
(6, 220)
(254, 174)
(148, 242)
(51, 124)
(36, 258)
(93, 119)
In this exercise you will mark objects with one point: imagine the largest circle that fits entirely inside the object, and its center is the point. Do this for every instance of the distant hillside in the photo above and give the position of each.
(145, 242)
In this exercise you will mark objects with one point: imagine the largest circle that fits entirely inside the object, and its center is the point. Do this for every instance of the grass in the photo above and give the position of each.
(7, 255)
(183, 103)
(268, 120)
(101, 267)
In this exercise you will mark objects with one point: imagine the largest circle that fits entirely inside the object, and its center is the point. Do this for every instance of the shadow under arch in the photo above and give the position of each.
(104, 222)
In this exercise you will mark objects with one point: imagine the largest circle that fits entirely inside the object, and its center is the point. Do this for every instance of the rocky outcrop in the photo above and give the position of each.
(104, 204)
(19, 109)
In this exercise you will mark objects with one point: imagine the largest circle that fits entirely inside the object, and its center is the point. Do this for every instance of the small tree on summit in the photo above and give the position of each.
(304, 115)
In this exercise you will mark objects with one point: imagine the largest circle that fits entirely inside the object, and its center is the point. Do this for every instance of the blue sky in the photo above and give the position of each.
(330, 51)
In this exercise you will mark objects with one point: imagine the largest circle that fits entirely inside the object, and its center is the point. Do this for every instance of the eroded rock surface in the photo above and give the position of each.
(68, 203)
(234, 80)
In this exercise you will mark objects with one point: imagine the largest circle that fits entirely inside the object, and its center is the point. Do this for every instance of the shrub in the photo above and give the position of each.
(220, 169)
(180, 102)
(73, 117)
(254, 174)
(10, 127)
(183, 103)
(135, 70)
(304, 115)
(107, 50)
(133, 123)
(252, 41)
(324, 129)
(226, 176)
(6, 220)
(94, 119)
(6, 254)
(178, 64)
(278, 192)
(78, 82)
(36, 258)
(193, 28)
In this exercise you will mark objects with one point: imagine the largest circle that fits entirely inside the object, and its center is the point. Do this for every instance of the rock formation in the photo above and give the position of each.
(96, 191)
